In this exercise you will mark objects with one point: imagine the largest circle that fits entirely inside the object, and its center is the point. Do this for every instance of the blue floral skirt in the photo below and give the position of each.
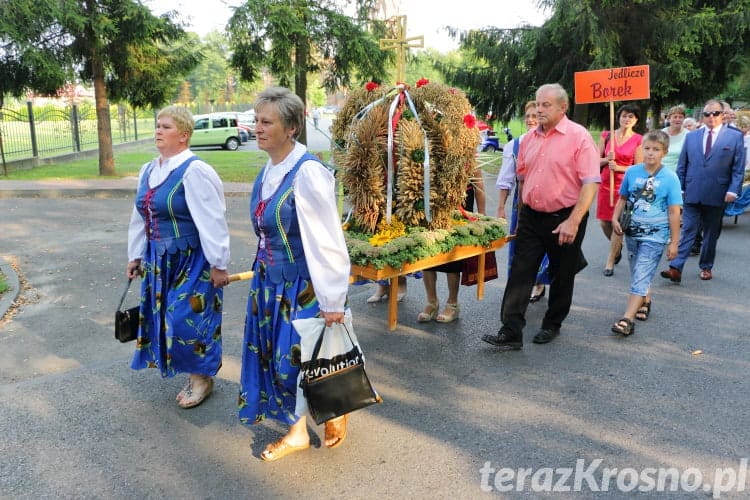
(180, 320)
(271, 348)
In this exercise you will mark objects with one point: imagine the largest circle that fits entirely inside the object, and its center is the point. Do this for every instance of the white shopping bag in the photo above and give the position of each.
(336, 352)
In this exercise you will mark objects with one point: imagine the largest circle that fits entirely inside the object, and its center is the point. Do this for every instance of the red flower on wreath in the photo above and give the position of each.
(370, 86)
(470, 121)
(422, 82)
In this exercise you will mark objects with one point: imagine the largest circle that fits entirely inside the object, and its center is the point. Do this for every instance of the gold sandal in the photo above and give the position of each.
(450, 313)
(279, 449)
(429, 313)
(336, 429)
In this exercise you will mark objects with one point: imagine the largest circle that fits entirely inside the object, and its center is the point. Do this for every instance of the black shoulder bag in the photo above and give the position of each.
(340, 392)
(627, 212)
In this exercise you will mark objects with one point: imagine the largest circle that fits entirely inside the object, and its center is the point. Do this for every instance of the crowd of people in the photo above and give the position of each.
(705, 165)
(178, 239)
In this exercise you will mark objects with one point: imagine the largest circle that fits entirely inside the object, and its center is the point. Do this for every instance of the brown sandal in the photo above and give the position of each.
(643, 312)
(336, 429)
(624, 326)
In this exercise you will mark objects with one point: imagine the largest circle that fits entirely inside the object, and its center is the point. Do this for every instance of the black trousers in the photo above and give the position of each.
(534, 238)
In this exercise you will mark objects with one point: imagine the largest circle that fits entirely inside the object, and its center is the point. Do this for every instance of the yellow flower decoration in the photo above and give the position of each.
(387, 232)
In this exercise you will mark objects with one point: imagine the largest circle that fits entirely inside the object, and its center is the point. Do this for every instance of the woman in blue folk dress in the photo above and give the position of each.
(178, 241)
(301, 271)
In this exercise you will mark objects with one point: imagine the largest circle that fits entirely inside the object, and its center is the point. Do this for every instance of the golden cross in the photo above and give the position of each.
(401, 44)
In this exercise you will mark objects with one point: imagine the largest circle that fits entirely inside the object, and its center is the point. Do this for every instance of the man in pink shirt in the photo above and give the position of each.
(558, 166)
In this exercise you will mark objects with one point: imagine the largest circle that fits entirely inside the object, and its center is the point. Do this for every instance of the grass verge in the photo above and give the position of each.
(232, 166)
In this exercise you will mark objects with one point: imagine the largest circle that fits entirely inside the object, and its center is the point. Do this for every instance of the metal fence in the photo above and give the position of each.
(46, 131)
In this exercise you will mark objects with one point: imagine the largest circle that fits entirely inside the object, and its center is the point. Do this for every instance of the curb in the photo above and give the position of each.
(66, 193)
(8, 298)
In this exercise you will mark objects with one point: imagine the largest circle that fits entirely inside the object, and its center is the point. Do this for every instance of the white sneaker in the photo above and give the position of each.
(376, 297)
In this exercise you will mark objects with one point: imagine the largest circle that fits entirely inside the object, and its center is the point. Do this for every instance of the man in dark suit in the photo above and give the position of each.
(710, 169)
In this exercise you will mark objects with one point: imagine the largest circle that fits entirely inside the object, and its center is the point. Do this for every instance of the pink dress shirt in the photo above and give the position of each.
(554, 167)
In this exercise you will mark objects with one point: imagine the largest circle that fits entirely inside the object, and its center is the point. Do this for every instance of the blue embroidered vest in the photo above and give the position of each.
(169, 226)
(285, 257)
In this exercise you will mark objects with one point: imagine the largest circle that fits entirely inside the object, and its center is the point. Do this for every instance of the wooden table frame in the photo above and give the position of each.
(359, 273)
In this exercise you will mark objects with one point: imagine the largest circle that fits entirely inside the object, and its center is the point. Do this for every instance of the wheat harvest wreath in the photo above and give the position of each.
(405, 157)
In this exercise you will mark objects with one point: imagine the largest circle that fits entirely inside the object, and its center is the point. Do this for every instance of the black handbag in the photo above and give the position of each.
(626, 215)
(340, 392)
(627, 211)
(127, 322)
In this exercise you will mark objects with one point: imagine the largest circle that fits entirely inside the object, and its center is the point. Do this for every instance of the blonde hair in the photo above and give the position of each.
(658, 136)
(181, 116)
(676, 110)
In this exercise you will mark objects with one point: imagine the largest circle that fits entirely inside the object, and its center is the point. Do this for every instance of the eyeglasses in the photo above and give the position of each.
(712, 113)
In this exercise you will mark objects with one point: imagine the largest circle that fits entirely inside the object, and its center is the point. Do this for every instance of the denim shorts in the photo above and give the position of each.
(644, 257)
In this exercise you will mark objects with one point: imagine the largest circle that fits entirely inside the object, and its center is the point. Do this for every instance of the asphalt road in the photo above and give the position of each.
(458, 418)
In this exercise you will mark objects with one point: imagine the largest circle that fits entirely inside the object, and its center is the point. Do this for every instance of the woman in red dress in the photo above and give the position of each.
(627, 151)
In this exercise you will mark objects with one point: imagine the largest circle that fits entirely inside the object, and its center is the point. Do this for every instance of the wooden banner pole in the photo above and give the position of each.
(612, 143)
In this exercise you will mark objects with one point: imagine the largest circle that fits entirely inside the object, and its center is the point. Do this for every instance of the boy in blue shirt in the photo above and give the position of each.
(656, 199)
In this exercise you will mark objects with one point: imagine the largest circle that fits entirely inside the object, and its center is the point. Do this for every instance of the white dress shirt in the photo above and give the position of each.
(506, 177)
(714, 135)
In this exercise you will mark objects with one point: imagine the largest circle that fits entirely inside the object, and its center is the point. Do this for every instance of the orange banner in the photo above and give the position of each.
(614, 84)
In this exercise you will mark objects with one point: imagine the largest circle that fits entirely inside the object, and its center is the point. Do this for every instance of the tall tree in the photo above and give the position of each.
(291, 38)
(126, 52)
(214, 79)
(32, 48)
(693, 47)
(124, 48)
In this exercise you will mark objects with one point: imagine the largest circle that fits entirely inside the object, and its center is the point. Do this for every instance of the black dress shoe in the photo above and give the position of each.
(538, 297)
(504, 341)
(545, 335)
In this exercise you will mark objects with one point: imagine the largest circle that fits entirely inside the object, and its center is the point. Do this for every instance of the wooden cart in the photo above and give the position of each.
(359, 273)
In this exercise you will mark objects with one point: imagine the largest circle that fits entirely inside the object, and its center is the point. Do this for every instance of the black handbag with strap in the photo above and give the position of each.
(340, 392)
(128, 321)
(627, 211)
